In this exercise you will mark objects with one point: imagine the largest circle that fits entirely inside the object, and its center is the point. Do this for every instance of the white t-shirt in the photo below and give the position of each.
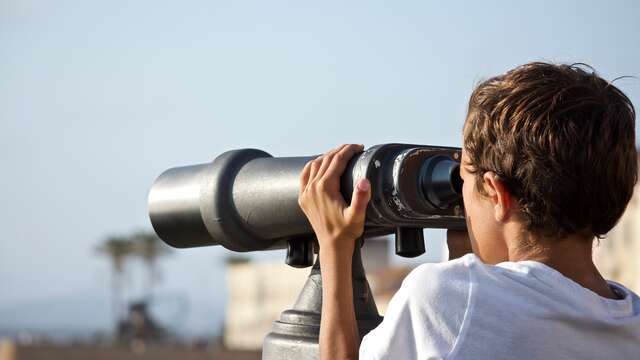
(465, 309)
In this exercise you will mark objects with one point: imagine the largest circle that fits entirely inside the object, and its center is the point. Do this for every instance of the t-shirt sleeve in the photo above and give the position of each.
(424, 317)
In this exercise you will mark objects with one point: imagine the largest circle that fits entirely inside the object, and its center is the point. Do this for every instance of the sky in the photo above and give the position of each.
(98, 98)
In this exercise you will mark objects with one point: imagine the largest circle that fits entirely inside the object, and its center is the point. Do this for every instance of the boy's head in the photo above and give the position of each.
(548, 150)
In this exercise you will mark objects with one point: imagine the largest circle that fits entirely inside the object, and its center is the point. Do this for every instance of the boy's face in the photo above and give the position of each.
(485, 232)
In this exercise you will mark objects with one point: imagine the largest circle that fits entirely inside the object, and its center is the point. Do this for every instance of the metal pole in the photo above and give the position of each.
(295, 335)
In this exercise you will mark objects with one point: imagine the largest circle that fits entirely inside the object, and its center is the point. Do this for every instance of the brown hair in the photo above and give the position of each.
(562, 139)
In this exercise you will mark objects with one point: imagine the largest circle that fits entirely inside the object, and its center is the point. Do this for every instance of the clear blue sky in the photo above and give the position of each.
(98, 98)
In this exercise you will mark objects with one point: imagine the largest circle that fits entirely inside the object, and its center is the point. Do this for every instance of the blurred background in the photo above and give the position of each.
(98, 98)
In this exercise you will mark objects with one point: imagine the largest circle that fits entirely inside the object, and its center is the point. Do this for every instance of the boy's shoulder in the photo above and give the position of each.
(465, 308)
(425, 316)
(468, 287)
(452, 274)
(450, 290)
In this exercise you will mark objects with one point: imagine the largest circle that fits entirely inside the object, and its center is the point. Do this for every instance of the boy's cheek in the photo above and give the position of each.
(480, 224)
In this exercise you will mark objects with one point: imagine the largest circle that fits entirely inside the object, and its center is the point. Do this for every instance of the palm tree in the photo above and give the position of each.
(117, 248)
(148, 246)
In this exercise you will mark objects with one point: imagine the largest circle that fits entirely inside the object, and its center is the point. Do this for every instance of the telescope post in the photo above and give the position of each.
(295, 335)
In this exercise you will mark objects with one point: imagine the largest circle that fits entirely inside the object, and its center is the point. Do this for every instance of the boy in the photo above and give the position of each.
(548, 163)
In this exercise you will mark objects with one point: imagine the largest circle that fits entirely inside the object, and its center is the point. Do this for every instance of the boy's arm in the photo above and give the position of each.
(339, 338)
(337, 226)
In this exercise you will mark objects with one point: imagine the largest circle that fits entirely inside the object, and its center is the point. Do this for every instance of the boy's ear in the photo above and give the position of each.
(498, 195)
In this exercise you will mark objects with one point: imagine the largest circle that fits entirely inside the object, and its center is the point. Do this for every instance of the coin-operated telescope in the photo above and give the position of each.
(247, 200)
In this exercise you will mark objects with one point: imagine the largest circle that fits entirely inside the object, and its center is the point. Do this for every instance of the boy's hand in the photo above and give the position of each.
(336, 225)
(459, 243)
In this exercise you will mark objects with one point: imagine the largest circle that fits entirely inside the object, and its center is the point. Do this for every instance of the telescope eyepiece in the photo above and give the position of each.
(441, 182)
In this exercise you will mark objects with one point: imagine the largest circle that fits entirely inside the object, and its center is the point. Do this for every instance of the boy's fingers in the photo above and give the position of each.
(356, 212)
(315, 166)
(327, 159)
(304, 177)
(340, 160)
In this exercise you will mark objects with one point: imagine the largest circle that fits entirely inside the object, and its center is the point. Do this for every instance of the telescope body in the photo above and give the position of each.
(247, 200)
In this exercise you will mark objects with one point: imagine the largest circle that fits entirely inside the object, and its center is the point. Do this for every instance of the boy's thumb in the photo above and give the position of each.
(360, 199)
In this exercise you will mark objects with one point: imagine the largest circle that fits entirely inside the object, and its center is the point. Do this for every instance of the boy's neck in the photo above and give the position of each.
(572, 257)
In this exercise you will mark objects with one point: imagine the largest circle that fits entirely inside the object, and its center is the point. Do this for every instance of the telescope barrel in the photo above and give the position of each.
(242, 196)
(247, 200)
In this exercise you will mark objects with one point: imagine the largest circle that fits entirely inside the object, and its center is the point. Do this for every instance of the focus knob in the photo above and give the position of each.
(409, 242)
(300, 253)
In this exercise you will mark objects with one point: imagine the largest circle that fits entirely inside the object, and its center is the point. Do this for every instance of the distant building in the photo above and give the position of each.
(256, 295)
(618, 255)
